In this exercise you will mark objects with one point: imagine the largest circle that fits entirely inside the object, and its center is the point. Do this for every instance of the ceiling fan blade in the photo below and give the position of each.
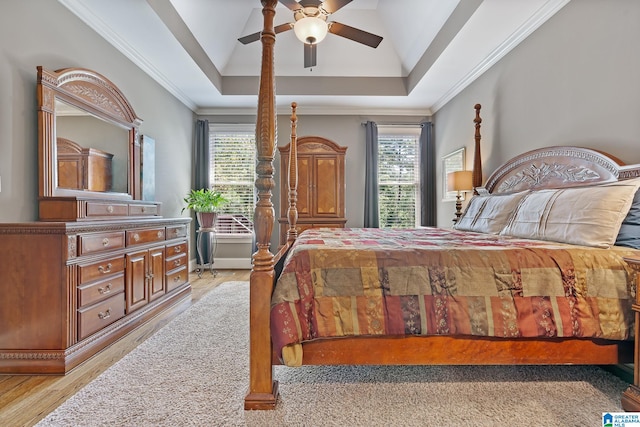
(256, 36)
(310, 3)
(283, 27)
(354, 34)
(331, 6)
(250, 38)
(291, 4)
(310, 55)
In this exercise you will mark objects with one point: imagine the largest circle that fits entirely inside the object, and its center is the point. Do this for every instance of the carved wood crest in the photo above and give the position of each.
(535, 176)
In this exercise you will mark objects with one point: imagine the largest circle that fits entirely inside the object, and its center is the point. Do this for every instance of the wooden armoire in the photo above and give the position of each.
(321, 186)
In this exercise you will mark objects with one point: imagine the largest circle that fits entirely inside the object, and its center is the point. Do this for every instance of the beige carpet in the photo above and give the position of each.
(194, 372)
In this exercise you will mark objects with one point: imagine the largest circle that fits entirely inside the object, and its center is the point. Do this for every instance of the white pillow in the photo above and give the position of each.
(589, 216)
(489, 214)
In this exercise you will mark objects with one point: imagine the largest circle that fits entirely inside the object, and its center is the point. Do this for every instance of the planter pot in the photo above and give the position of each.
(206, 219)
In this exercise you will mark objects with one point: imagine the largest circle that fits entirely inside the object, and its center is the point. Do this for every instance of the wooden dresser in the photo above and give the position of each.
(98, 263)
(321, 186)
(72, 288)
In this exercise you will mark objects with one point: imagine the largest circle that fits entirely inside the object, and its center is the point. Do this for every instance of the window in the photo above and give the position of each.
(399, 176)
(232, 170)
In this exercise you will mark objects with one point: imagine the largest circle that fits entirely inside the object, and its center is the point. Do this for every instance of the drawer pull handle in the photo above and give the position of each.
(142, 209)
(105, 315)
(105, 270)
(149, 275)
(105, 290)
(178, 249)
(176, 262)
(136, 237)
(159, 234)
(105, 242)
(177, 278)
(110, 209)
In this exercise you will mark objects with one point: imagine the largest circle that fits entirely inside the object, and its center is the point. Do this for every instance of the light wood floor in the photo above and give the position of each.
(26, 399)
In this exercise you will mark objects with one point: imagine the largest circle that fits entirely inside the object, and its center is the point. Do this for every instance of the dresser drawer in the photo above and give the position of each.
(100, 270)
(177, 278)
(150, 235)
(175, 262)
(173, 250)
(97, 316)
(143, 210)
(176, 231)
(97, 291)
(100, 242)
(107, 209)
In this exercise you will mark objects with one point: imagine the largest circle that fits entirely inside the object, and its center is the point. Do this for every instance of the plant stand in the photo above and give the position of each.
(211, 243)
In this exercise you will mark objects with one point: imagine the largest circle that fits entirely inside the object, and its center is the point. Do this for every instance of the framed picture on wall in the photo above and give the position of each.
(450, 163)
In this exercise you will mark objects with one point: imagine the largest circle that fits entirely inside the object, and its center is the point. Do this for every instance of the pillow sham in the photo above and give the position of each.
(588, 216)
(629, 234)
(489, 214)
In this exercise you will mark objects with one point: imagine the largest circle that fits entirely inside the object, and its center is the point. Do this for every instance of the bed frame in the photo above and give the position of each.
(544, 168)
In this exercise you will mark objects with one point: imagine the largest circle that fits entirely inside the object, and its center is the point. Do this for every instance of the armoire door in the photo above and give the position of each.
(326, 188)
(305, 181)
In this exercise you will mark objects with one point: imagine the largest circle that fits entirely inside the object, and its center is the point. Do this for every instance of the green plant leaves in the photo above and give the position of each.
(204, 200)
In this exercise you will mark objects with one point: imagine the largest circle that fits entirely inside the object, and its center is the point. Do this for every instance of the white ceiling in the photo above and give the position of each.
(432, 49)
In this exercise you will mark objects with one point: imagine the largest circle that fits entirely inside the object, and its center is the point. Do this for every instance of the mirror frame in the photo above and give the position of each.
(91, 92)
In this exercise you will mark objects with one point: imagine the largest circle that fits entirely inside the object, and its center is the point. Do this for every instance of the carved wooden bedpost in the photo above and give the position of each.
(292, 214)
(476, 177)
(263, 391)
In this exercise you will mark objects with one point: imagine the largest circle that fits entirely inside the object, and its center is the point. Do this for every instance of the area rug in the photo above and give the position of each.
(194, 372)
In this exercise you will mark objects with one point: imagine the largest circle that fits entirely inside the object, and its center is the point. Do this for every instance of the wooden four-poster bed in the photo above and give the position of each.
(587, 317)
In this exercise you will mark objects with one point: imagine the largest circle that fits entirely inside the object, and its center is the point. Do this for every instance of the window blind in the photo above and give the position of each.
(232, 168)
(398, 180)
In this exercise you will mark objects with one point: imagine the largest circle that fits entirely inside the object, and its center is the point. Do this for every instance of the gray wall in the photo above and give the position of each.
(43, 32)
(572, 82)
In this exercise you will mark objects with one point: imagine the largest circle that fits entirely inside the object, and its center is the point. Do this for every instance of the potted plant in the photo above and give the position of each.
(205, 202)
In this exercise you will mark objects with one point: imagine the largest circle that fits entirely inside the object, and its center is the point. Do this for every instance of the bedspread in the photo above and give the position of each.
(430, 281)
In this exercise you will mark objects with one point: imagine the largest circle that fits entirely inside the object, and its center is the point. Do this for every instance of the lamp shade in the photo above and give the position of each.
(310, 29)
(460, 181)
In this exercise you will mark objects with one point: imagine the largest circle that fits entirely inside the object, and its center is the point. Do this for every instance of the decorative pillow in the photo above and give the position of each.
(489, 214)
(629, 234)
(588, 216)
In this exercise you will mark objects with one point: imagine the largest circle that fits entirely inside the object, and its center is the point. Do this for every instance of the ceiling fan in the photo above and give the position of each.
(311, 26)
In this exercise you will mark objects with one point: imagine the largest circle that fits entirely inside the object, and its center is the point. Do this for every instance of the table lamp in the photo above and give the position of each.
(461, 182)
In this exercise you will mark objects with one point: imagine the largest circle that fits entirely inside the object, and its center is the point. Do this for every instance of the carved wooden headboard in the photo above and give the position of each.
(557, 167)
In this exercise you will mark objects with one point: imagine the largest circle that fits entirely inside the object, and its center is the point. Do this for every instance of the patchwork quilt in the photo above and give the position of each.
(430, 281)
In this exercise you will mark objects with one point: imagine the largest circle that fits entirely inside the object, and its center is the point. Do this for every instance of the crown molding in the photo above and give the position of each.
(99, 26)
(318, 111)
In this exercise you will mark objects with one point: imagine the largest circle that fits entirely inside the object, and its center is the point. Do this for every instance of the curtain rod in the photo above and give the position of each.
(404, 125)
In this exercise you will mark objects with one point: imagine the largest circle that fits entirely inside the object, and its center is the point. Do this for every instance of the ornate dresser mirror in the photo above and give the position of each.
(89, 149)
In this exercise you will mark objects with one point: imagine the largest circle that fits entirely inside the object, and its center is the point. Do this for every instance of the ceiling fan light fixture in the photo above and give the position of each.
(310, 29)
